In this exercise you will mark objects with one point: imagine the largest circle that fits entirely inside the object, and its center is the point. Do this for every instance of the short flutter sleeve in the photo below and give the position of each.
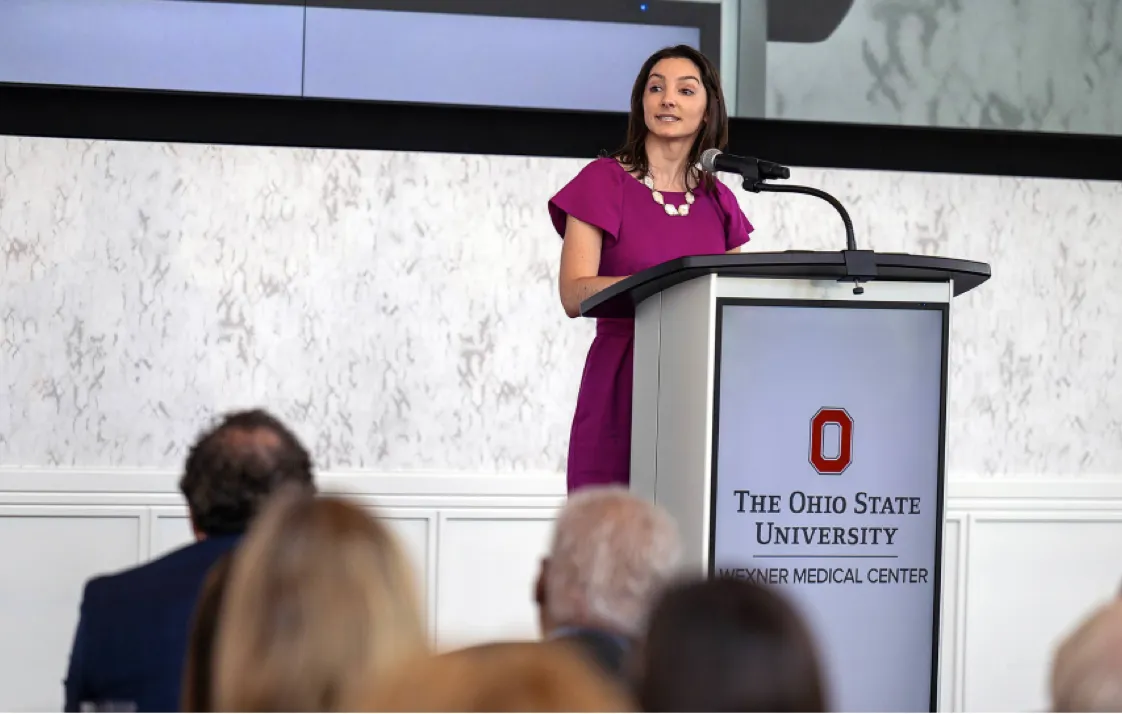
(594, 196)
(737, 227)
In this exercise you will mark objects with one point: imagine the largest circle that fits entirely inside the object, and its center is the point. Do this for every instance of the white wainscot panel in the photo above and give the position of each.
(171, 530)
(46, 555)
(1031, 578)
(414, 529)
(488, 563)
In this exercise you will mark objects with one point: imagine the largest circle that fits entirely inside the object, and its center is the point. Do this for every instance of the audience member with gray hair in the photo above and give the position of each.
(611, 554)
(1087, 669)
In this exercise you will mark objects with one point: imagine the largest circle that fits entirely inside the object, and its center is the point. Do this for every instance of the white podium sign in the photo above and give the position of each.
(827, 481)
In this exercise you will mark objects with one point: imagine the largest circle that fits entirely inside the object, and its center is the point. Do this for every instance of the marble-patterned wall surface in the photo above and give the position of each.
(401, 310)
(1051, 65)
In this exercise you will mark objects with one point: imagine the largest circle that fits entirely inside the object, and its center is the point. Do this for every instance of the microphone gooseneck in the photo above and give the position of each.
(850, 240)
(756, 173)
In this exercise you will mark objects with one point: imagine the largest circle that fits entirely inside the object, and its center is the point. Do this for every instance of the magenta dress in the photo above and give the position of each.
(638, 234)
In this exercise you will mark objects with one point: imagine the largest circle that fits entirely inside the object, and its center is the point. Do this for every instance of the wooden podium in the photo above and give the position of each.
(790, 412)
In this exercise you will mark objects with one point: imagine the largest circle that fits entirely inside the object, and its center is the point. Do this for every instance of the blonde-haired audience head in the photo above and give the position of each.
(500, 677)
(321, 600)
(1087, 669)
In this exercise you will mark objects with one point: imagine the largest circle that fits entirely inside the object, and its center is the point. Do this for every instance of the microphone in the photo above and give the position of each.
(756, 172)
(714, 160)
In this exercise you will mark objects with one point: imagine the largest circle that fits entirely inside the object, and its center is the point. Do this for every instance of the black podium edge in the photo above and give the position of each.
(621, 299)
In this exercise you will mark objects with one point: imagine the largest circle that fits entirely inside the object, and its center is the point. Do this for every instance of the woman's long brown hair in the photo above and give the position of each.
(714, 133)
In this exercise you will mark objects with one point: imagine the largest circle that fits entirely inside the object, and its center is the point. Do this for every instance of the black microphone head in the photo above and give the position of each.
(709, 160)
(780, 172)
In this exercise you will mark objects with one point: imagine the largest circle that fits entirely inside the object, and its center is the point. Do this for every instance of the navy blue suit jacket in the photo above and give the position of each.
(133, 630)
(603, 648)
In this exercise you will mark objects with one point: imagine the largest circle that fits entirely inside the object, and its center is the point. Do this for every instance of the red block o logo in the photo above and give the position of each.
(824, 416)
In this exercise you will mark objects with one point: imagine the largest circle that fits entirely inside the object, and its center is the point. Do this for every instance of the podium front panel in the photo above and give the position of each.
(828, 430)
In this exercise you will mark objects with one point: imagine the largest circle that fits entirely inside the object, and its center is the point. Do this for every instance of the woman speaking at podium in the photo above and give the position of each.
(647, 203)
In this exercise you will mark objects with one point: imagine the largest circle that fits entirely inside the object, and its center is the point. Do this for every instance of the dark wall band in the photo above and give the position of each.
(272, 121)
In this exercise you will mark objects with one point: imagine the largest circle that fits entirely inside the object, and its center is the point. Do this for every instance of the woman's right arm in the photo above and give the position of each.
(580, 263)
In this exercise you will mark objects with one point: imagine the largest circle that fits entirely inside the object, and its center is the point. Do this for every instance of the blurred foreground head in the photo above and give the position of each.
(728, 646)
(501, 677)
(320, 600)
(1087, 669)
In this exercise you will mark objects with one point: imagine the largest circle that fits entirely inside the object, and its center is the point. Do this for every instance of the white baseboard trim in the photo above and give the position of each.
(959, 484)
(963, 491)
(160, 487)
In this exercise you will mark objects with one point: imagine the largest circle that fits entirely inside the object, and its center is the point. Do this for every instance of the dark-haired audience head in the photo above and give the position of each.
(234, 467)
(728, 646)
(197, 686)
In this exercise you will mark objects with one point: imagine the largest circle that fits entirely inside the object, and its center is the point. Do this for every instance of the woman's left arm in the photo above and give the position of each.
(738, 229)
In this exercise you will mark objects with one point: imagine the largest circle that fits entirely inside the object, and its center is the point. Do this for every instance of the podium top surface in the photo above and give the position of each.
(621, 299)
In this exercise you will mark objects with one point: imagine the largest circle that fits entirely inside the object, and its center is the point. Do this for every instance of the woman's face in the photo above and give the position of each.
(674, 101)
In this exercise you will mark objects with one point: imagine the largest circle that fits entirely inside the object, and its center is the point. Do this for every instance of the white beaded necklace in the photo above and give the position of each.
(670, 208)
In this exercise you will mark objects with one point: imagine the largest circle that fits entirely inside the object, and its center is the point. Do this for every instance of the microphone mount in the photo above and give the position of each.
(860, 264)
(755, 184)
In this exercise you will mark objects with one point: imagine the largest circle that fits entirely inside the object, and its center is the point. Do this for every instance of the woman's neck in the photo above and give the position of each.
(667, 160)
